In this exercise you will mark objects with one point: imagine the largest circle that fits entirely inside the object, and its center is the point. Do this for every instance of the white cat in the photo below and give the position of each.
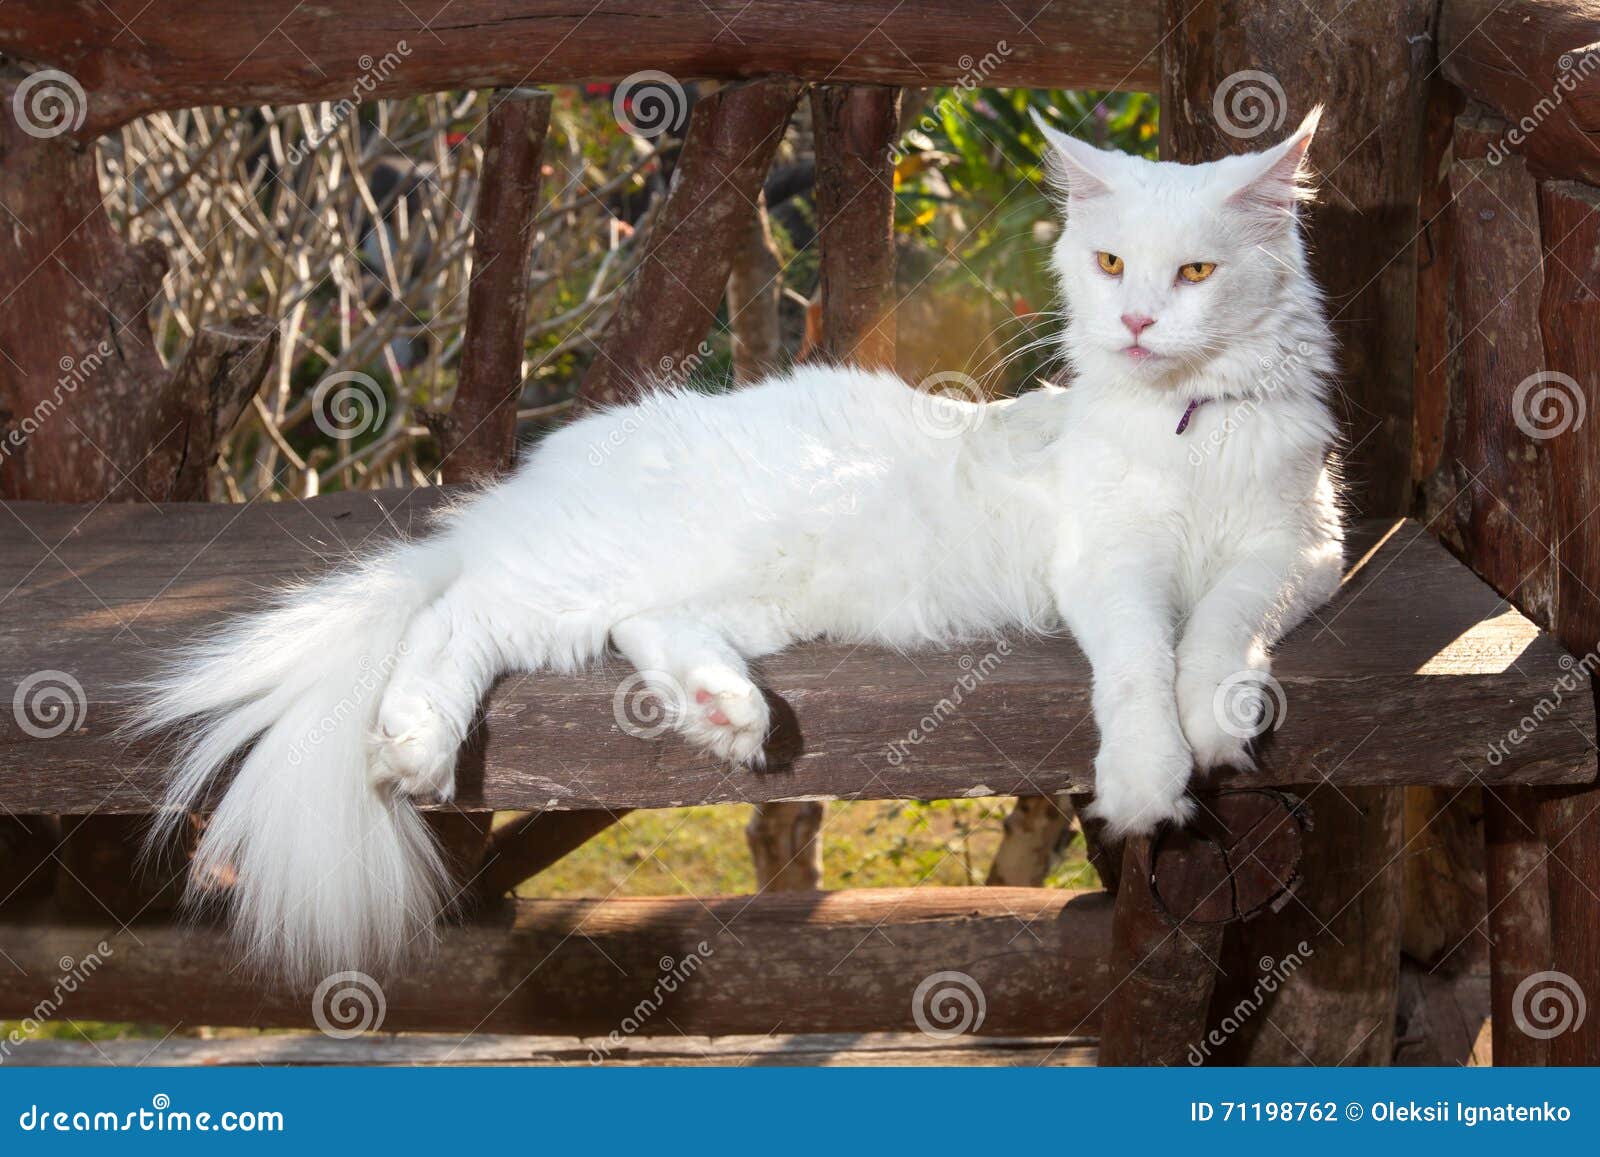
(1173, 509)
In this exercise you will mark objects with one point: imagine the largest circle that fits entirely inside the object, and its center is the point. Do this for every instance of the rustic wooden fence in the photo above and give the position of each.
(1456, 238)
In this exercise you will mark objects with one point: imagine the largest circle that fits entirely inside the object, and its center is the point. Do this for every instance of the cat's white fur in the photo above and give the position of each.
(694, 533)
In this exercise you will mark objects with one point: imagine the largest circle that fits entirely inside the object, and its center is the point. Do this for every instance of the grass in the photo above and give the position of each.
(700, 851)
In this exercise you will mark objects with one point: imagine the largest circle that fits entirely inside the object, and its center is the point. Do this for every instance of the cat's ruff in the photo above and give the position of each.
(694, 533)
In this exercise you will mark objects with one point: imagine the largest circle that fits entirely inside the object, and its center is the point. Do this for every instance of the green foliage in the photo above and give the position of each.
(972, 194)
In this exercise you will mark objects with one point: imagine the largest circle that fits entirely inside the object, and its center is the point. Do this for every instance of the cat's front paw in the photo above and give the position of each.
(1140, 785)
(414, 749)
(1222, 712)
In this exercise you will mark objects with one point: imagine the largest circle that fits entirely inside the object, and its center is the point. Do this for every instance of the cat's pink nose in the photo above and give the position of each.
(1136, 324)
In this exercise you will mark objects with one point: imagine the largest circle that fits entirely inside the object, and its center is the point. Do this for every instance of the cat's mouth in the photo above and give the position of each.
(1140, 353)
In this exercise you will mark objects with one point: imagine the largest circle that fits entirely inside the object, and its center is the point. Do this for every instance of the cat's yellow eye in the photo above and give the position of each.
(1110, 263)
(1197, 271)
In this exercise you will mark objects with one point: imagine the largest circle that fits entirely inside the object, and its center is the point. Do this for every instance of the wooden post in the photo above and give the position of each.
(856, 127)
(1033, 827)
(479, 434)
(87, 410)
(671, 301)
(1242, 856)
(1569, 819)
(1519, 916)
(1236, 75)
(755, 292)
(1491, 497)
(1164, 971)
(1339, 1003)
(785, 842)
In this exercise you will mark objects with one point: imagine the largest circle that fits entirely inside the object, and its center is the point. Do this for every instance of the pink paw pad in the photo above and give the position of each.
(716, 714)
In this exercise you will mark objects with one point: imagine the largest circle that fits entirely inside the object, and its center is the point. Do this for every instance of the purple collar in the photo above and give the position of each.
(1183, 422)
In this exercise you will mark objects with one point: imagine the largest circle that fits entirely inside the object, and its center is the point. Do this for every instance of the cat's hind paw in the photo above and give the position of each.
(726, 714)
(414, 750)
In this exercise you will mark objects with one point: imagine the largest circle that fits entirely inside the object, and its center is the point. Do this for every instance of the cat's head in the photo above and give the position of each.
(1169, 271)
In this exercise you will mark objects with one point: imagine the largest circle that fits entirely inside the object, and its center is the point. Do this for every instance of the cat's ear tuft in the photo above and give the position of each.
(1280, 179)
(1074, 167)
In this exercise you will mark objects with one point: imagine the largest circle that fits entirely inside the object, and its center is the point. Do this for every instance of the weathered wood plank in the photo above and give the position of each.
(253, 51)
(1033, 960)
(1421, 674)
(830, 1050)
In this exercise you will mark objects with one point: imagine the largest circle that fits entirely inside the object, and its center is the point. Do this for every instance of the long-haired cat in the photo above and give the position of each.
(1172, 509)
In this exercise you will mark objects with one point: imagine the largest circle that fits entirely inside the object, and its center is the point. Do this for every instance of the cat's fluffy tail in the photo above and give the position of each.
(322, 871)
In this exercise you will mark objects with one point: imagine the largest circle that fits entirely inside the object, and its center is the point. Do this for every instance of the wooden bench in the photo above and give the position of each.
(1413, 674)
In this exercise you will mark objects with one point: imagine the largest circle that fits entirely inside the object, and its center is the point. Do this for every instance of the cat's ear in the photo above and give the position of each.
(1279, 178)
(1075, 167)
